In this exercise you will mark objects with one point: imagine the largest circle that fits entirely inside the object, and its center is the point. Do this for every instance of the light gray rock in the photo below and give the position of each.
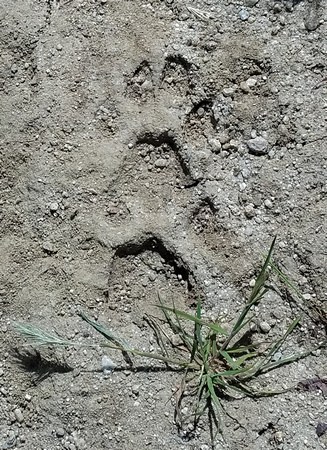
(243, 14)
(107, 365)
(54, 207)
(249, 211)
(18, 415)
(258, 146)
(136, 389)
(268, 203)
(229, 92)
(49, 248)
(215, 145)
(160, 163)
(60, 432)
(248, 84)
(265, 327)
(277, 356)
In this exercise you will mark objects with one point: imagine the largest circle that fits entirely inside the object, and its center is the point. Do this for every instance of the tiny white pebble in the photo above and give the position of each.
(252, 283)
(107, 365)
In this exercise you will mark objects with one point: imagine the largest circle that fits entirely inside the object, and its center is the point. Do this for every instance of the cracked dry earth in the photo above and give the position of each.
(147, 147)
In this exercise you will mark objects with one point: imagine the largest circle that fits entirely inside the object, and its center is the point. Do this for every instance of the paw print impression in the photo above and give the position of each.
(154, 170)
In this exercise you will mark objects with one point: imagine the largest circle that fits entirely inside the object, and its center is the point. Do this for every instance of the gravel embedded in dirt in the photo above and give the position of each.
(153, 147)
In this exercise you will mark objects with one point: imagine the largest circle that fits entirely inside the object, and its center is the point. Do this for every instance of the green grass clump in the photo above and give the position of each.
(217, 365)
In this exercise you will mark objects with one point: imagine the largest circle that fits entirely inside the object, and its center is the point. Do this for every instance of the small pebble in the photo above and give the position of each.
(49, 247)
(18, 415)
(11, 440)
(215, 145)
(54, 207)
(249, 211)
(136, 389)
(146, 86)
(152, 276)
(107, 365)
(248, 231)
(265, 327)
(279, 437)
(247, 85)
(277, 8)
(60, 432)
(243, 14)
(160, 163)
(258, 145)
(321, 428)
(277, 356)
(233, 144)
(312, 21)
(200, 112)
(229, 92)
(4, 391)
(268, 203)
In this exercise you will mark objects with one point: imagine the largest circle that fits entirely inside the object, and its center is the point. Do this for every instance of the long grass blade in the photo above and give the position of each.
(256, 295)
(214, 326)
(242, 359)
(262, 364)
(177, 327)
(292, 358)
(215, 402)
(106, 333)
(179, 396)
(262, 277)
(197, 324)
(231, 373)
(155, 327)
(184, 335)
(197, 338)
(229, 359)
(199, 394)
(283, 277)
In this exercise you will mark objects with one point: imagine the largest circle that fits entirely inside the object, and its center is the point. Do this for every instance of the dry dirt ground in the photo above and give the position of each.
(158, 146)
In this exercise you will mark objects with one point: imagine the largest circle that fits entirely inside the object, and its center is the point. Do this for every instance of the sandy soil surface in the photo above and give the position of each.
(158, 147)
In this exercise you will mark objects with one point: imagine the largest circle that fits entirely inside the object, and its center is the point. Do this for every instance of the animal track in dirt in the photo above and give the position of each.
(143, 268)
(200, 124)
(215, 235)
(249, 66)
(140, 84)
(207, 226)
(177, 75)
(154, 169)
(155, 244)
(203, 217)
